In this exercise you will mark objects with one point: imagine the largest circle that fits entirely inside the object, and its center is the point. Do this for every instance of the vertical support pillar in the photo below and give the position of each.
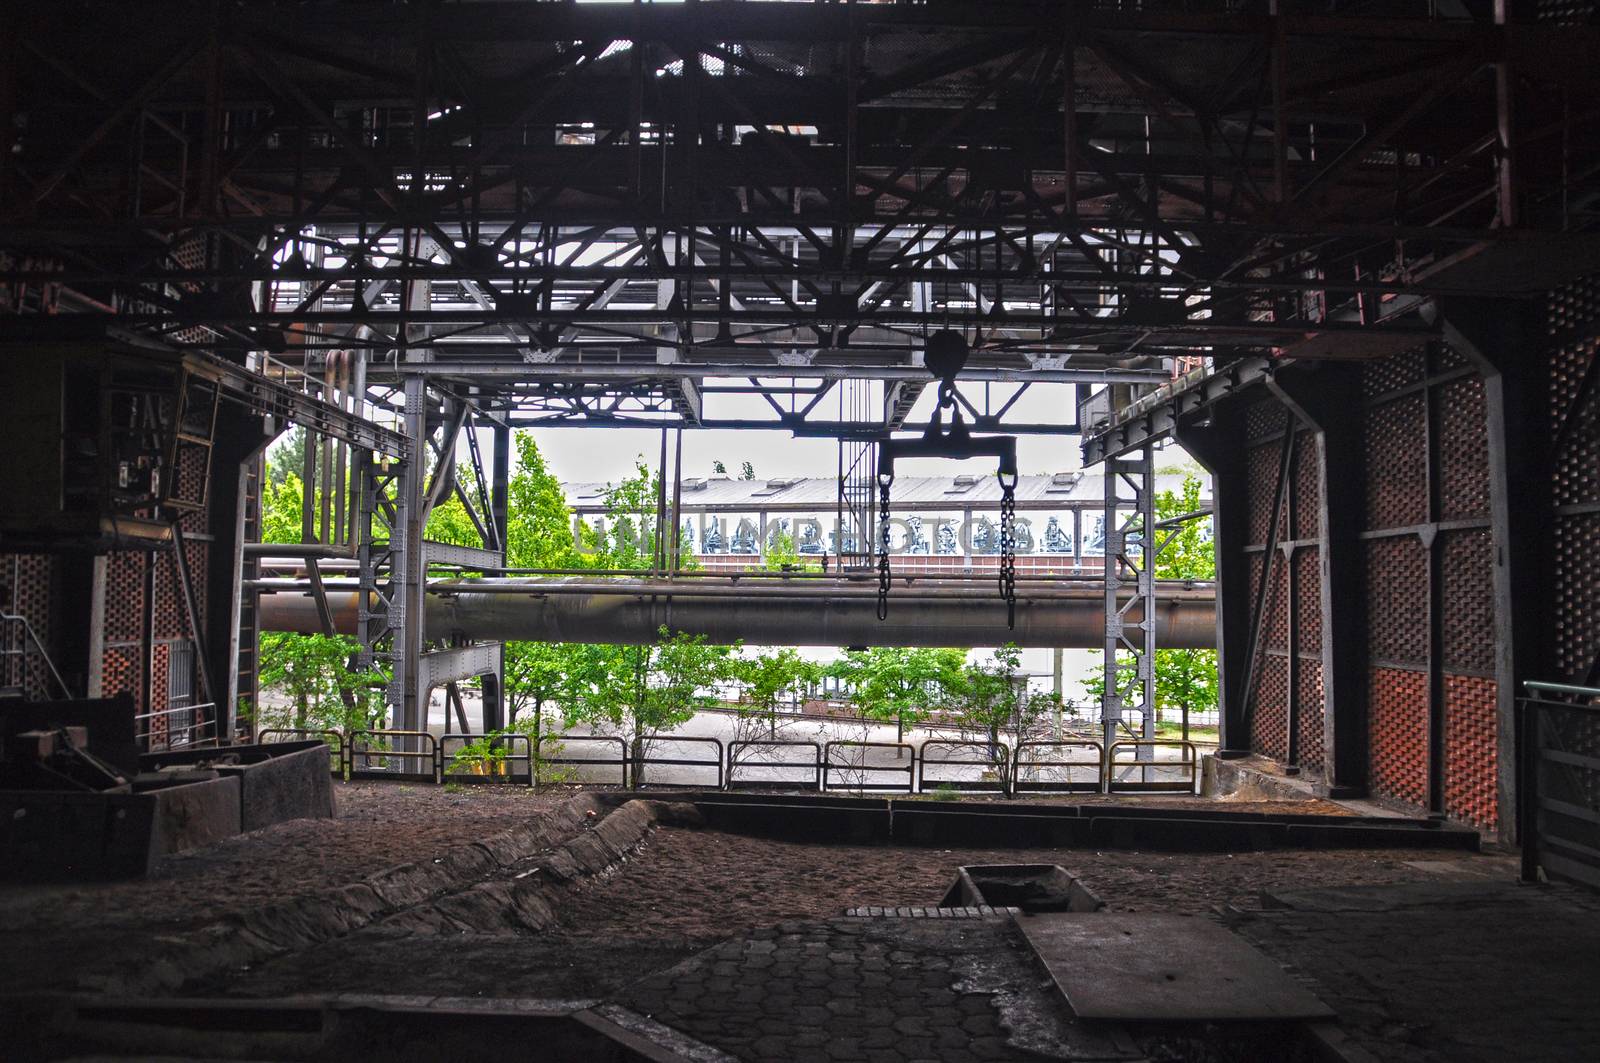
(1217, 443)
(1503, 342)
(1323, 402)
(237, 444)
(494, 683)
(1129, 576)
(406, 583)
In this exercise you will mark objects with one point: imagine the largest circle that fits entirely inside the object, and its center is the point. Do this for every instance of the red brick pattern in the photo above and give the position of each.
(1308, 603)
(1397, 720)
(1309, 724)
(1396, 464)
(125, 595)
(1307, 488)
(1269, 726)
(1471, 744)
(1463, 449)
(1263, 419)
(1397, 600)
(1575, 481)
(1262, 483)
(1468, 600)
(25, 592)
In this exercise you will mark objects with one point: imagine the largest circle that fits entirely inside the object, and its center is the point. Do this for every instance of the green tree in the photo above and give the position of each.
(313, 672)
(899, 683)
(767, 678)
(637, 692)
(747, 471)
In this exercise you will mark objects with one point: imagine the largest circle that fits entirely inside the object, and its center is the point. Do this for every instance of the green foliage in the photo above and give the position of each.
(768, 677)
(639, 691)
(747, 471)
(899, 683)
(718, 469)
(313, 672)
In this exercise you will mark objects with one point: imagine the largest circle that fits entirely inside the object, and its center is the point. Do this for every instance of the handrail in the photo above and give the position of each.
(643, 760)
(1066, 785)
(622, 761)
(447, 759)
(1001, 784)
(1190, 760)
(201, 723)
(1562, 688)
(734, 763)
(910, 769)
(340, 747)
(430, 756)
(33, 636)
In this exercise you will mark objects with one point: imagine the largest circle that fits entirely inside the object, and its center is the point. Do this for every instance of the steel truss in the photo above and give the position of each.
(508, 213)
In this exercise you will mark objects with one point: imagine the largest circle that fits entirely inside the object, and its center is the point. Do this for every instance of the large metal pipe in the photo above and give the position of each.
(634, 612)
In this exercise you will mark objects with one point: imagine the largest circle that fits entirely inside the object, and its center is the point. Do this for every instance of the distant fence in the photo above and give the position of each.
(938, 764)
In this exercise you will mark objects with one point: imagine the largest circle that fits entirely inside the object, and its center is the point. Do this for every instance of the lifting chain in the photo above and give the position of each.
(1008, 546)
(884, 575)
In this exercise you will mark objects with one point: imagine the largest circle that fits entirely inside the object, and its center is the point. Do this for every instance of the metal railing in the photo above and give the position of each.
(622, 762)
(1041, 766)
(180, 727)
(644, 760)
(993, 760)
(866, 773)
(339, 747)
(386, 754)
(22, 642)
(1558, 811)
(1066, 775)
(499, 762)
(1148, 774)
(736, 762)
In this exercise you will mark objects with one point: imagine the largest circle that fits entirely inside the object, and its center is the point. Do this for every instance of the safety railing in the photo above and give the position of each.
(864, 776)
(621, 762)
(992, 761)
(377, 754)
(338, 747)
(740, 763)
(1065, 773)
(648, 759)
(21, 642)
(1558, 810)
(487, 758)
(180, 727)
(1137, 767)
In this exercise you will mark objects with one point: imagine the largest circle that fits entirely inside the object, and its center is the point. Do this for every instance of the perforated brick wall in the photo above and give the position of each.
(1397, 708)
(1396, 464)
(1269, 725)
(1311, 712)
(1397, 601)
(25, 592)
(1471, 746)
(1468, 601)
(1575, 482)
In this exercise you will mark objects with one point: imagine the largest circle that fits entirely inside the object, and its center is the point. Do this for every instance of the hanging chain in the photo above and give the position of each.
(1008, 546)
(884, 575)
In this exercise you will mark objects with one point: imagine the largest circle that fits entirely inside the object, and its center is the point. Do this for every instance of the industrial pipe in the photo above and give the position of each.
(634, 612)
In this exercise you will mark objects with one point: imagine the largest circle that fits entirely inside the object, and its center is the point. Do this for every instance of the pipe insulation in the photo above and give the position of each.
(924, 614)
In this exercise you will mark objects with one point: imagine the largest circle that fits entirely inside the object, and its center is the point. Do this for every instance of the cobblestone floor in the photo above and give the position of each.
(872, 991)
(1452, 970)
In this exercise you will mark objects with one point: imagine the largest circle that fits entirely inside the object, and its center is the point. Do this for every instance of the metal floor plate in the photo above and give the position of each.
(1163, 968)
